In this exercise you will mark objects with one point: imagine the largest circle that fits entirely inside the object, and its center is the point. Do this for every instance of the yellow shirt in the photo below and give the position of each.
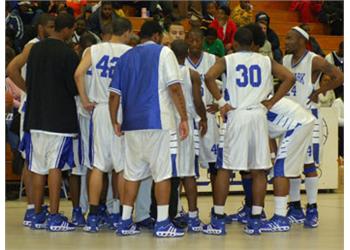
(241, 17)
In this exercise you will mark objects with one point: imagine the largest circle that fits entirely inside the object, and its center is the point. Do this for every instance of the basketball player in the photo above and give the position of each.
(17, 72)
(51, 119)
(244, 144)
(107, 147)
(187, 156)
(147, 80)
(307, 68)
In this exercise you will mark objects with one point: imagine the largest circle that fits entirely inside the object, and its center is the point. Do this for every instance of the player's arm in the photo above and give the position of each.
(15, 66)
(319, 64)
(287, 81)
(114, 100)
(79, 77)
(198, 102)
(210, 81)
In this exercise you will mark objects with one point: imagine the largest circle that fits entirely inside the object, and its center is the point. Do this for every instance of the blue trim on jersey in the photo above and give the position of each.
(59, 153)
(298, 62)
(24, 107)
(271, 116)
(289, 133)
(196, 65)
(226, 95)
(80, 150)
(278, 169)
(114, 90)
(315, 113)
(173, 165)
(310, 169)
(67, 155)
(91, 139)
(316, 152)
(196, 165)
(220, 158)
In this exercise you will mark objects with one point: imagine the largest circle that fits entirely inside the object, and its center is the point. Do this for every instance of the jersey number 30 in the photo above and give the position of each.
(251, 75)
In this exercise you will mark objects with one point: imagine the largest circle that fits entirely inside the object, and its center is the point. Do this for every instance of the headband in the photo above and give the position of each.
(301, 32)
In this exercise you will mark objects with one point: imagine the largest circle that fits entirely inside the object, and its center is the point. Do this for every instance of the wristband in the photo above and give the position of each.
(221, 102)
(273, 155)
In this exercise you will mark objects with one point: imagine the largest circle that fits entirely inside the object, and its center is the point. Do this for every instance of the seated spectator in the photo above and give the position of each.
(210, 13)
(101, 17)
(225, 27)
(265, 50)
(76, 6)
(337, 58)
(312, 44)
(332, 13)
(308, 10)
(80, 29)
(14, 23)
(271, 35)
(242, 14)
(212, 44)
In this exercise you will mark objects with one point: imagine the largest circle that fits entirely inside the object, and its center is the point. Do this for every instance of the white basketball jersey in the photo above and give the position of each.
(249, 79)
(205, 62)
(24, 68)
(187, 90)
(104, 57)
(303, 86)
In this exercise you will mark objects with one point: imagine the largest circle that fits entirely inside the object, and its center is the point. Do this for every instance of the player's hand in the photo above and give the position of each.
(183, 129)
(89, 106)
(225, 109)
(314, 97)
(268, 104)
(203, 127)
(212, 108)
(117, 129)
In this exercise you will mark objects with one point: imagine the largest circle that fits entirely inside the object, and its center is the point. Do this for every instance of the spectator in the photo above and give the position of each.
(86, 40)
(80, 29)
(225, 27)
(76, 6)
(312, 44)
(332, 13)
(242, 14)
(106, 33)
(176, 31)
(14, 23)
(337, 58)
(210, 13)
(266, 49)
(271, 35)
(103, 16)
(212, 44)
(308, 10)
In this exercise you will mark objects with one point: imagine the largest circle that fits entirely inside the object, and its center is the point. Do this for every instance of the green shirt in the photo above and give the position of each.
(216, 48)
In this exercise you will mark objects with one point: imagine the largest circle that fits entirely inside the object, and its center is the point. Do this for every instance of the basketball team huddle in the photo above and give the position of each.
(161, 112)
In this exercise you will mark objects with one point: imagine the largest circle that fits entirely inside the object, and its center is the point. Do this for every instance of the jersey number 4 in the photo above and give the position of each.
(107, 65)
(251, 75)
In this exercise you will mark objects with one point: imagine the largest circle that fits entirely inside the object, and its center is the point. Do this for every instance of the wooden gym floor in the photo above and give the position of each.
(329, 235)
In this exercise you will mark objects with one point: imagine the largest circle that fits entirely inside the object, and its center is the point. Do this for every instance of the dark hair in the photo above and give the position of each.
(149, 28)
(341, 45)
(81, 19)
(303, 25)
(196, 32)
(259, 36)
(225, 9)
(87, 38)
(121, 25)
(244, 36)
(106, 3)
(175, 23)
(43, 20)
(64, 20)
(180, 48)
(211, 32)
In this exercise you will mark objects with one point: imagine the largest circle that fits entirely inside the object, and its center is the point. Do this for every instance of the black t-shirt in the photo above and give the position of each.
(51, 88)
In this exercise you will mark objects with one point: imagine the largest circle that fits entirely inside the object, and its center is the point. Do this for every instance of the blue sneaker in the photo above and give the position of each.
(127, 228)
(92, 224)
(253, 226)
(59, 223)
(78, 217)
(242, 215)
(311, 220)
(38, 221)
(166, 229)
(27, 221)
(194, 225)
(276, 224)
(216, 226)
(103, 214)
(295, 214)
(146, 223)
(113, 221)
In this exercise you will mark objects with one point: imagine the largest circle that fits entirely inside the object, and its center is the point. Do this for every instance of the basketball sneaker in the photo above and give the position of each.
(92, 224)
(127, 228)
(254, 225)
(194, 225)
(216, 226)
(242, 215)
(311, 220)
(276, 224)
(295, 213)
(28, 217)
(78, 217)
(113, 221)
(103, 214)
(166, 229)
(59, 223)
(146, 223)
(38, 221)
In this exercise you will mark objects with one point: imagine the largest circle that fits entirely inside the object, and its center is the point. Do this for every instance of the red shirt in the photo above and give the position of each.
(231, 29)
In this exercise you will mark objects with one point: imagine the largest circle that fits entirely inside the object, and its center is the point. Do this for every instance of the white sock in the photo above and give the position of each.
(116, 206)
(219, 209)
(30, 206)
(294, 189)
(193, 214)
(281, 205)
(311, 186)
(127, 210)
(162, 212)
(256, 210)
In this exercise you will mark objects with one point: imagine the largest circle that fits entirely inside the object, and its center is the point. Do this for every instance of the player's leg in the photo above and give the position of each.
(28, 184)
(143, 205)
(75, 188)
(117, 190)
(102, 207)
(194, 223)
